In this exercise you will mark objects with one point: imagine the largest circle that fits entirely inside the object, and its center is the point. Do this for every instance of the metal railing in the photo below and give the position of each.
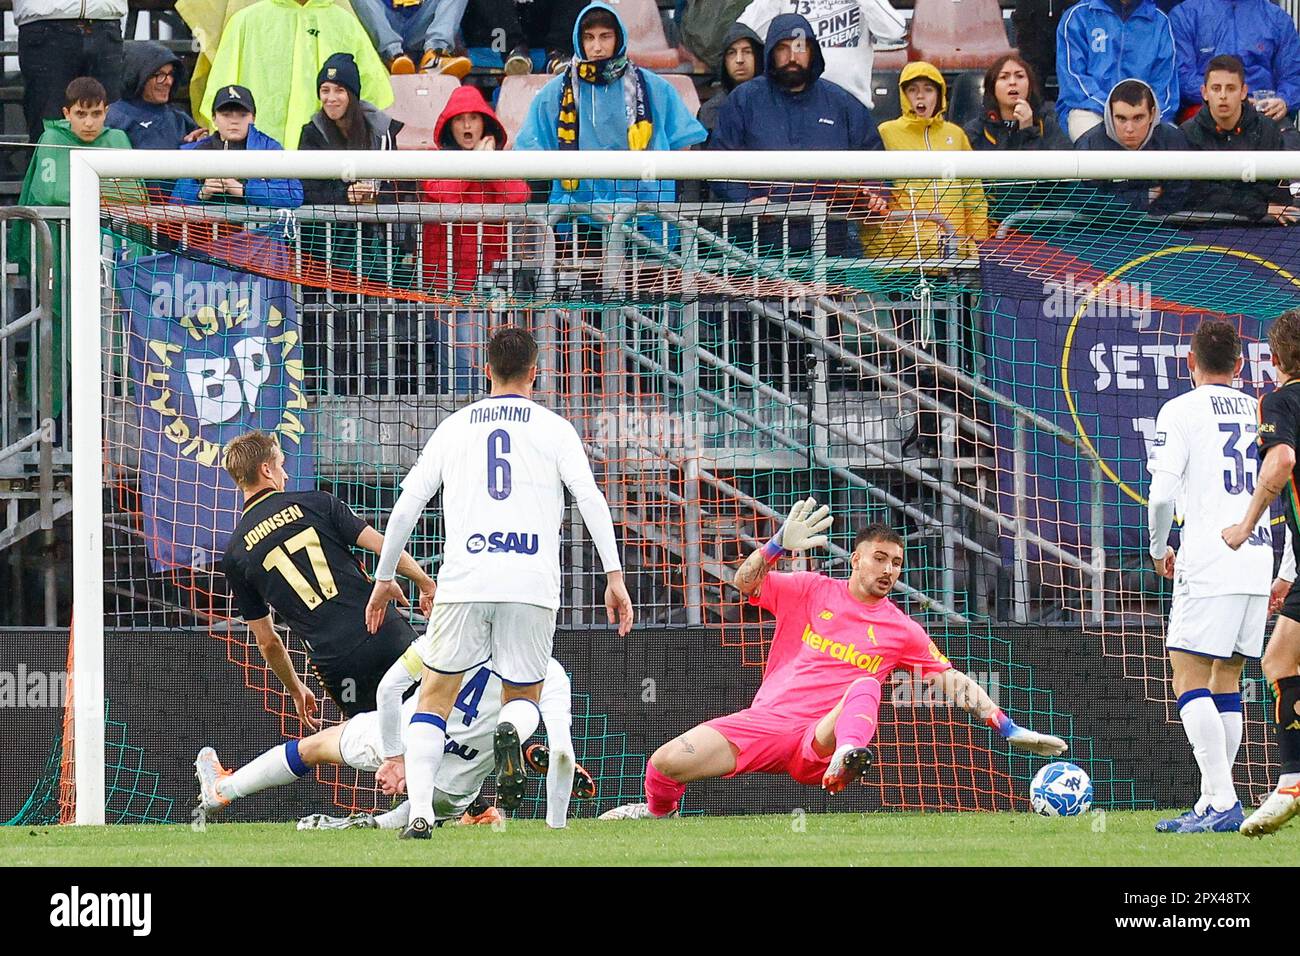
(16, 439)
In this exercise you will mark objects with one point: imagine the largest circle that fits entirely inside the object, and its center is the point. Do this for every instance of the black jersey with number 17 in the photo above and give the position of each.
(293, 551)
(1279, 424)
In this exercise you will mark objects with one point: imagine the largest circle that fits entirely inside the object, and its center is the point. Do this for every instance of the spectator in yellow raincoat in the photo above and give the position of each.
(276, 48)
(924, 96)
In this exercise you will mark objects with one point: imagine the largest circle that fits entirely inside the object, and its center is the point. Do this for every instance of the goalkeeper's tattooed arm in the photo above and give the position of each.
(972, 698)
(803, 529)
(277, 658)
(751, 574)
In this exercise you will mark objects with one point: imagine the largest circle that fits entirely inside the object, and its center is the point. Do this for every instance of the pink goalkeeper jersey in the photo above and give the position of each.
(826, 639)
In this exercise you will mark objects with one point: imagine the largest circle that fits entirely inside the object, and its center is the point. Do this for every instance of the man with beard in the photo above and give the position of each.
(793, 107)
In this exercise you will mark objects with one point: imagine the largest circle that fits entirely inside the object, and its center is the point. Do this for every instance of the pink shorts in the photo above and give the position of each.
(767, 743)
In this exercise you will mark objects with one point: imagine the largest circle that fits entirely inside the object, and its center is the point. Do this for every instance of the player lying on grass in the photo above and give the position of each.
(361, 741)
(1279, 437)
(836, 643)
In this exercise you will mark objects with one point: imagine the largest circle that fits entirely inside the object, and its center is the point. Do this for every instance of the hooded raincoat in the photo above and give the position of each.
(149, 125)
(962, 204)
(455, 255)
(603, 125)
(277, 47)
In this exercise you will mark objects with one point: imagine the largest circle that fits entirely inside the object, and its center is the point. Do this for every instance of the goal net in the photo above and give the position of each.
(974, 359)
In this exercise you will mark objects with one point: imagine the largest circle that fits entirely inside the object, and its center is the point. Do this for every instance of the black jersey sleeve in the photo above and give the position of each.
(1279, 418)
(249, 603)
(346, 521)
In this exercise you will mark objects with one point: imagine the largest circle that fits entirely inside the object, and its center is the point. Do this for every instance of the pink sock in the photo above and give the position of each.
(661, 793)
(857, 722)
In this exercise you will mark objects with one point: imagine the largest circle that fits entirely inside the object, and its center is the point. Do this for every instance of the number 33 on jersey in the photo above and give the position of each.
(1207, 440)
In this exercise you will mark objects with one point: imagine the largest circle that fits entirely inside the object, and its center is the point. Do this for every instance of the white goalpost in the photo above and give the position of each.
(91, 168)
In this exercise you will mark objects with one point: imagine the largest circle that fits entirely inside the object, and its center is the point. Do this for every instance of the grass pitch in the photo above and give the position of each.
(1117, 839)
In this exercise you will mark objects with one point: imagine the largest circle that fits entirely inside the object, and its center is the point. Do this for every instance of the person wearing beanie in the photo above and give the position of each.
(276, 47)
(346, 121)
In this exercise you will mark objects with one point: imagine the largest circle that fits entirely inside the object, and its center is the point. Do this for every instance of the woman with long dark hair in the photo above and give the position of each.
(1013, 116)
(346, 121)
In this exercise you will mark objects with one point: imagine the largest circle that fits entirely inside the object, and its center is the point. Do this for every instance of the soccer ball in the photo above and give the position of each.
(1060, 789)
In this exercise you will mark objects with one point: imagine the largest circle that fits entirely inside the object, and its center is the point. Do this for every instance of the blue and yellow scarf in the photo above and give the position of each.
(640, 125)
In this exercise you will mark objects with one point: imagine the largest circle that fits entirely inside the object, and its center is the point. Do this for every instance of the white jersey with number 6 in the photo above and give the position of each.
(1206, 440)
(502, 464)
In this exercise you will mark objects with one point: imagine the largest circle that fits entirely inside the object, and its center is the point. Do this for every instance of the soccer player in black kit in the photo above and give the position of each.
(1279, 439)
(293, 551)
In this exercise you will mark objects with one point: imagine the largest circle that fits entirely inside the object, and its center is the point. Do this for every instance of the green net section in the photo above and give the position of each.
(979, 366)
(132, 785)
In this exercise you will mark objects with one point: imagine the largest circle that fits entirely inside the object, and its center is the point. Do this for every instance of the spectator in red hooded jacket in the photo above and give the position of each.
(456, 254)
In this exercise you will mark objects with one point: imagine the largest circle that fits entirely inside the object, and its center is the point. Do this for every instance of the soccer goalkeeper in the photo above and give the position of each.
(836, 643)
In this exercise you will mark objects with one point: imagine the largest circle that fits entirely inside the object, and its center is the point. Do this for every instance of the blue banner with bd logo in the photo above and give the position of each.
(1091, 331)
(212, 354)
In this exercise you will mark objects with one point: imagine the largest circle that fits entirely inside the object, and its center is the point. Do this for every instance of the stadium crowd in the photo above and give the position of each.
(316, 74)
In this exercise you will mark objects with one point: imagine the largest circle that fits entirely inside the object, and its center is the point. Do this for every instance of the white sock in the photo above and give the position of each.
(1205, 731)
(275, 768)
(524, 714)
(425, 740)
(1232, 732)
(1288, 780)
(559, 775)
(396, 818)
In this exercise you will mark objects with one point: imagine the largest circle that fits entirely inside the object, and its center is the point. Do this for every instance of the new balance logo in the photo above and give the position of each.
(1294, 725)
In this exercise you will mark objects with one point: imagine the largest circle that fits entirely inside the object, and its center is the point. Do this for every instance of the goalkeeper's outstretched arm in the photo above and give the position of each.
(972, 698)
(804, 528)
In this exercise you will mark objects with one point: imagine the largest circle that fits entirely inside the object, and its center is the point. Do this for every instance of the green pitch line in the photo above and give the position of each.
(975, 839)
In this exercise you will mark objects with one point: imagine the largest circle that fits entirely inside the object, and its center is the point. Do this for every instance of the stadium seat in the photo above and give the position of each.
(958, 34)
(685, 88)
(516, 94)
(646, 43)
(884, 92)
(891, 61)
(965, 97)
(417, 101)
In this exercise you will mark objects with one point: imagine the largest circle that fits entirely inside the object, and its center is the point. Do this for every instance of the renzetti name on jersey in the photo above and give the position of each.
(500, 413)
(1232, 405)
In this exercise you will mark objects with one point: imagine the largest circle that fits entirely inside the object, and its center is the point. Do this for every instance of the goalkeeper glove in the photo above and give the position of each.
(804, 528)
(1044, 745)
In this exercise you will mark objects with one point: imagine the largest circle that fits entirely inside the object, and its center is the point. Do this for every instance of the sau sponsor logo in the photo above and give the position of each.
(463, 751)
(502, 542)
